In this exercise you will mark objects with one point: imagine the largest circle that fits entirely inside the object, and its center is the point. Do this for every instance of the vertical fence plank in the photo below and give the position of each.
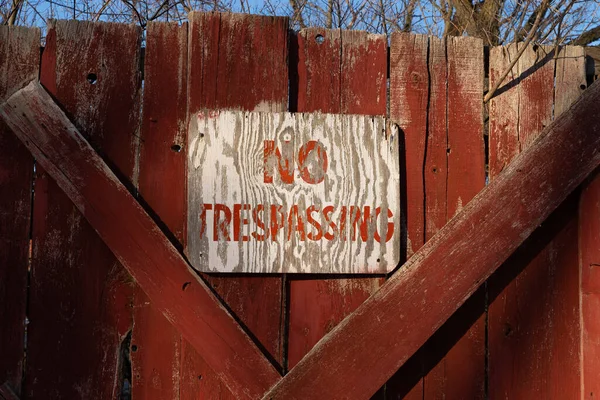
(461, 374)
(313, 90)
(335, 72)
(19, 63)
(435, 180)
(589, 250)
(445, 168)
(79, 304)
(409, 96)
(533, 321)
(435, 163)
(238, 61)
(155, 344)
(589, 259)
(569, 83)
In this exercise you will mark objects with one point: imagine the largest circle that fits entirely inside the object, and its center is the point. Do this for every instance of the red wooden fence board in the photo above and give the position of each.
(461, 374)
(409, 96)
(445, 159)
(344, 72)
(238, 61)
(79, 304)
(409, 91)
(434, 168)
(316, 76)
(589, 256)
(533, 322)
(156, 346)
(570, 81)
(19, 63)
(394, 322)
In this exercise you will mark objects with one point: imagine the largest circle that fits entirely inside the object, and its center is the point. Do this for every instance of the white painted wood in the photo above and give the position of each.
(226, 165)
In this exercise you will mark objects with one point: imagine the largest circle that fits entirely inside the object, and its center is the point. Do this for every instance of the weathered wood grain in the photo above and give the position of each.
(444, 157)
(570, 77)
(239, 61)
(567, 350)
(393, 323)
(137, 242)
(413, 88)
(338, 213)
(329, 76)
(155, 343)
(77, 287)
(409, 92)
(514, 370)
(589, 259)
(19, 64)
(461, 374)
(538, 310)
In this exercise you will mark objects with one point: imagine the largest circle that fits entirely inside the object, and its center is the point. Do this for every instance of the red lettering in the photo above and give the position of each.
(353, 223)
(314, 223)
(259, 222)
(312, 168)
(276, 223)
(327, 211)
(285, 163)
(298, 226)
(238, 222)
(221, 227)
(390, 226)
(364, 227)
(203, 218)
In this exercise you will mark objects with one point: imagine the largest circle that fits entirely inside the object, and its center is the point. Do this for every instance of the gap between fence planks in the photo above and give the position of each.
(367, 347)
(137, 242)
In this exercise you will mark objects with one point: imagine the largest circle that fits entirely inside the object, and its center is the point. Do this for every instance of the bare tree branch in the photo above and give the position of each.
(587, 37)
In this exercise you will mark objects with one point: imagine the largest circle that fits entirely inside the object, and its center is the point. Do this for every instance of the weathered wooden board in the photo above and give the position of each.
(411, 90)
(534, 322)
(445, 169)
(240, 62)
(311, 193)
(459, 162)
(79, 295)
(19, 64)
(342, 73)
(137, 242)
(414, 303)
(156, 346)
(572, 348)
(589, 258)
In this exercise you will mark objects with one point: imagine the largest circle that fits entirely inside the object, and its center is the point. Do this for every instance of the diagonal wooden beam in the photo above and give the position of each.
(137, 242)
(363, 351)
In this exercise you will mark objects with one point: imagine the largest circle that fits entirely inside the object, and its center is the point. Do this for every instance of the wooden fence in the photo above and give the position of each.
(74, 324)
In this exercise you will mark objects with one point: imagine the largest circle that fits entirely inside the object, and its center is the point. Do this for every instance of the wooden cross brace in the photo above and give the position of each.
(365, 349)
